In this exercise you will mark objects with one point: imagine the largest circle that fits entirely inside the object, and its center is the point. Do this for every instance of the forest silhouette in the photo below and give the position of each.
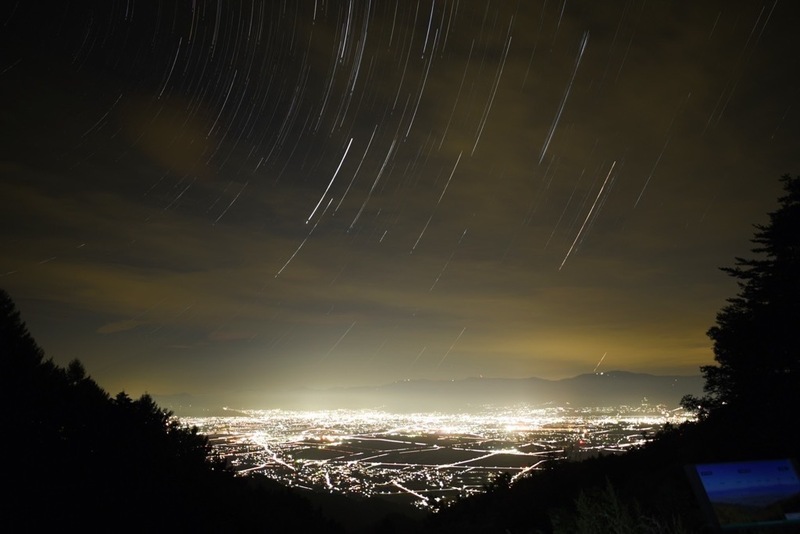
(78, 458)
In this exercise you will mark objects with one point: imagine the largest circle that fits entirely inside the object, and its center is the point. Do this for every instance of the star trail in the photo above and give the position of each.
(239, 197)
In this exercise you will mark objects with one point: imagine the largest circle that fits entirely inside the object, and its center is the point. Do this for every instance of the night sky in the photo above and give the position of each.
(234, 198)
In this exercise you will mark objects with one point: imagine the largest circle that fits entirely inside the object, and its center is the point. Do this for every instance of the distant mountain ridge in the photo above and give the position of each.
(613, 388)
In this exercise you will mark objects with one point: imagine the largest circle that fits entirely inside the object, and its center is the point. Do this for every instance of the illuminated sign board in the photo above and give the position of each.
(748, 494)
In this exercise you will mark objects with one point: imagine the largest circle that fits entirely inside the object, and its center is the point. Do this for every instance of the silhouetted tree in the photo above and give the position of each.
(77, 458)
(23, 360)
(757, 334)
(747, 409)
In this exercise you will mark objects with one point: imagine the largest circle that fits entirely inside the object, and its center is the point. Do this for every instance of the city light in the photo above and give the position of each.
(425, 459)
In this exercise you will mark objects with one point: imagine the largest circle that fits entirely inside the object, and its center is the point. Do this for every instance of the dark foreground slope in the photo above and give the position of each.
(645, 490)
(78, 459)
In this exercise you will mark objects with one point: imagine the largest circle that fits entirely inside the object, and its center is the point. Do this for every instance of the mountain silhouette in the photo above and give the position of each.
(608, 389)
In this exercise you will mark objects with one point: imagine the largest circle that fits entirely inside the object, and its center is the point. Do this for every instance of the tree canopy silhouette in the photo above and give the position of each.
(757, 334)
(79, 459)
(746, 414)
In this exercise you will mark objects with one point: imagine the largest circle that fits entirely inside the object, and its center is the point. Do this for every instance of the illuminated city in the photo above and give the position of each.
(419, 267)
(425, 459)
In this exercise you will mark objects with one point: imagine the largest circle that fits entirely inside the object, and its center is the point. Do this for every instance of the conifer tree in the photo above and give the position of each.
(757, 334)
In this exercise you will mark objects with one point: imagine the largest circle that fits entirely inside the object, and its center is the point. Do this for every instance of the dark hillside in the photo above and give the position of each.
(748, 413)
(78, 459)
(649, 482)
